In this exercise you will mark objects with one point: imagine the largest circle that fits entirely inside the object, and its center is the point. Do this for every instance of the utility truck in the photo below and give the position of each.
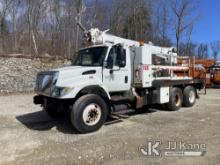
(114, 74)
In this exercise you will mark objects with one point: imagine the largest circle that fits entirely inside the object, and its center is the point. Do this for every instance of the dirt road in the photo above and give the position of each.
(29, 136)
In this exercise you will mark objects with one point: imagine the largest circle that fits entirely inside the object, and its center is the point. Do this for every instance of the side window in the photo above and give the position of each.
(121, 58)
(113, 55)
(117, 57)
(87, 59)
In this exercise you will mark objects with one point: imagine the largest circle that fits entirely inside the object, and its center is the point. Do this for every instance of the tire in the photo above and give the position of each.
(89, 113)
(176, 99)
(54, 110)
(189, 96)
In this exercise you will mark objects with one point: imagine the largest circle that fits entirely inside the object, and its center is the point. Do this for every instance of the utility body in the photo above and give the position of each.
(115, 74)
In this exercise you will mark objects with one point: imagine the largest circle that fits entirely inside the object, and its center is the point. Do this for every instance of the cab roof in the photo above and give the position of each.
(94, 46)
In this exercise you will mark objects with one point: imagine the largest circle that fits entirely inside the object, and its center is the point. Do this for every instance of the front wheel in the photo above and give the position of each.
(89, 113)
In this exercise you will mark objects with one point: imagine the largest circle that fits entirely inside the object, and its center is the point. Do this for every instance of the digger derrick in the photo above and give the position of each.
(115, 74)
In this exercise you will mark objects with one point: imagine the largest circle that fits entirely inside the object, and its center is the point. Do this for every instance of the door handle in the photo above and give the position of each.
(126, 79)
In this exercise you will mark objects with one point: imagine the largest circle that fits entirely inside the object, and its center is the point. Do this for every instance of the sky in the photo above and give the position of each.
(207, 28)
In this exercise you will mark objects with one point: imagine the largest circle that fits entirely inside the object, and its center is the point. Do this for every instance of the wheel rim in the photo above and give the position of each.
(92, 114)
(177, 100)
(192, 96)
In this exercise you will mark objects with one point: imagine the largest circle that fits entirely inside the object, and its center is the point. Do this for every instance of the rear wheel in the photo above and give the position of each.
(189, 96)
(89, 113)
(176, 99)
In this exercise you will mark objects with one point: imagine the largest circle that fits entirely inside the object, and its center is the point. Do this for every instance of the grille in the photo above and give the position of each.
(44, 82)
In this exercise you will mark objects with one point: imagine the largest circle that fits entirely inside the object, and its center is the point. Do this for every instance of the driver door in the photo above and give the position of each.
(115, 77)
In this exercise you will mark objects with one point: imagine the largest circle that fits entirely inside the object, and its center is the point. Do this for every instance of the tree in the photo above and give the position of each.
(35, 10)
(55, 30)
(137, 25)
(160, 22)
(38, 27)
(117, 16)
(131, 19)
(14, 14)
(202, 51)
(96, 15)
(215, 47)
(183, 17)
(187, 49)
(79, 8)
(4, 8)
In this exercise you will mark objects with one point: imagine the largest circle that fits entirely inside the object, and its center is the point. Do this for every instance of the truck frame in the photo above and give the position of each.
(115, 74)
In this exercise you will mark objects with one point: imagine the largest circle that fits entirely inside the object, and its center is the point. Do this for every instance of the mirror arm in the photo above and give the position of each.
(113, 70)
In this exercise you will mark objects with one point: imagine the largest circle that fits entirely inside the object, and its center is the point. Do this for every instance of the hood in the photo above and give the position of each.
(76, 75)
(68, 68)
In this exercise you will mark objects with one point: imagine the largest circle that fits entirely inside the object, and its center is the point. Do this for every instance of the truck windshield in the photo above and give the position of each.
(91, 56)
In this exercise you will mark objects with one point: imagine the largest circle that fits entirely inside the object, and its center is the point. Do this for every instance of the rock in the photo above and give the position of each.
(19, 74)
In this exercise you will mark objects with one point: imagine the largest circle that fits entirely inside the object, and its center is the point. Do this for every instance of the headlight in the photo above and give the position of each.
(66, 91)
(55, 92)
(61, 91)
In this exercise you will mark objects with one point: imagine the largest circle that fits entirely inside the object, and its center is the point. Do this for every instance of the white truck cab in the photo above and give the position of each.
(112, 72)
(98, 65)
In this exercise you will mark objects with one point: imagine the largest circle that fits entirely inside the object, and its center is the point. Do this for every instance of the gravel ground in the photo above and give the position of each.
(29, 136)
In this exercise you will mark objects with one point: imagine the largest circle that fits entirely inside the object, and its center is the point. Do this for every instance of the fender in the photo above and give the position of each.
(94, 89)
